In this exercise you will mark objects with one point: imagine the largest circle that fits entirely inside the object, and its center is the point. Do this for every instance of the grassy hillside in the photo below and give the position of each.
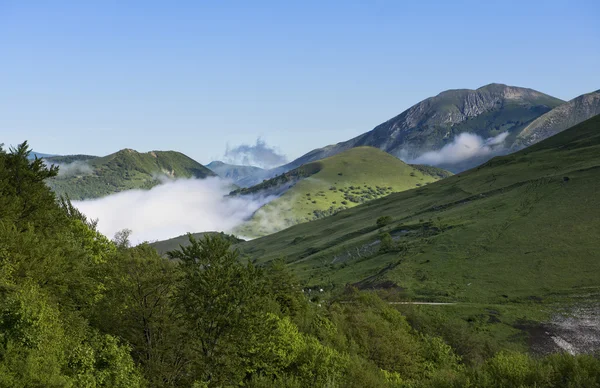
(521, 226)
(513, 243)
(323, 188)
(123, 170)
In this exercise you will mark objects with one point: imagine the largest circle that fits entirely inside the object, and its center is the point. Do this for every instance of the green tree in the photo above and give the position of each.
(222, 306)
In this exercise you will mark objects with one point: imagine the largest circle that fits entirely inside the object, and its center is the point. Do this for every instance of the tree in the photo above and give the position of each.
(387, 242)
(221, 305)
(139, 306)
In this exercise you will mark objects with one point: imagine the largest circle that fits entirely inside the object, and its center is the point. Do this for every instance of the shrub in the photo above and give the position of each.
(383, 221)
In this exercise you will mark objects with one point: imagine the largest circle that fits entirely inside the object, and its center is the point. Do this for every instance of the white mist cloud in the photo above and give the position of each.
(464, 147)
(72, 169)
(171, 209)
(259, 154)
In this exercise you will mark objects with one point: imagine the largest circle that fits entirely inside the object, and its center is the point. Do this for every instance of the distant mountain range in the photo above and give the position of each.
(236, 173)
(517, 116)
(34, 154)
(322, 188)
(435, 121)
(85, 176)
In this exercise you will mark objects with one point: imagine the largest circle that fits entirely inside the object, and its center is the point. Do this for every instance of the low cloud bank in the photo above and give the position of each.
(259, 154)
(171, 209)
(464, 147)
(72, 169)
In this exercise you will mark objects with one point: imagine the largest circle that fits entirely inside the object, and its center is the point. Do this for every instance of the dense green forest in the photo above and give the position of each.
(78, 310)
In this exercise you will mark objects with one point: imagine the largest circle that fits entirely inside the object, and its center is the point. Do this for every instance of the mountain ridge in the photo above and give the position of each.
(435, 121)
(123, 170)
(558, 119)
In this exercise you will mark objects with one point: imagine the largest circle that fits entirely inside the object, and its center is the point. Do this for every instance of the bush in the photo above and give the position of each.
(387, 243)
(383, 221)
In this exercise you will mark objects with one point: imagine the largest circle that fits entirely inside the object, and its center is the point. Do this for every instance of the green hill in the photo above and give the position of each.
(520, 226)
(93, 177)
(323, 188)
(513, 243)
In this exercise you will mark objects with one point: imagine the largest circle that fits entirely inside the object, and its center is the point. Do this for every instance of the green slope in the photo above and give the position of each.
(323, 188)
(519, 228)
(123, 170)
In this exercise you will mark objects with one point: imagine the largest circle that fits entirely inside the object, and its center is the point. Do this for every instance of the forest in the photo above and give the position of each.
(80, 310)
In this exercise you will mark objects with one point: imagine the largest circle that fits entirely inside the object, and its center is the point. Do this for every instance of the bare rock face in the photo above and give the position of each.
(558, 119)
(434, 122)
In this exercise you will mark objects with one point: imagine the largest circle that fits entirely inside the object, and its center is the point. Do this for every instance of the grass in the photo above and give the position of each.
(320, 189)
(123, 170)
(513, 242)
(518, 229)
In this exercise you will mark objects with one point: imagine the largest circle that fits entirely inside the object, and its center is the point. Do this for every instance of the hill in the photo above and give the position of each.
(513, 243)
(520, 225)
(66, 159)
(84, 177)
(322, 188)
(240, 175)
(558, 119)
(436, 121)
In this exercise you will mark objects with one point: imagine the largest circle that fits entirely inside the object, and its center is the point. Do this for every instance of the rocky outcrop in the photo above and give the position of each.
(558, 119)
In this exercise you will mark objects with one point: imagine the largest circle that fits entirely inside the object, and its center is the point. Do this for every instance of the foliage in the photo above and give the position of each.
(383, 221)
(77, 310)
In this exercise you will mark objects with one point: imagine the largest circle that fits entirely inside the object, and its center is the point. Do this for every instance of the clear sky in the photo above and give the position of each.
(97, 76)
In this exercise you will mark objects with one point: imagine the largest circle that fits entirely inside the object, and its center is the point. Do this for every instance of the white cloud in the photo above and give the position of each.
(72, 169)
(171, 209)
(464, 147)
(259, 154)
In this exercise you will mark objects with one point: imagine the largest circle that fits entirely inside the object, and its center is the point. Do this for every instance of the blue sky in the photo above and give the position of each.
(98, 76)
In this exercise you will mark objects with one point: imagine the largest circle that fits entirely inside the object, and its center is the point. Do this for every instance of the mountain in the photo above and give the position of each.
(324, 187)
(34, 154)
(436, 121)
(84, 176)
(240, 175)
(560, 118)
(520, 227)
